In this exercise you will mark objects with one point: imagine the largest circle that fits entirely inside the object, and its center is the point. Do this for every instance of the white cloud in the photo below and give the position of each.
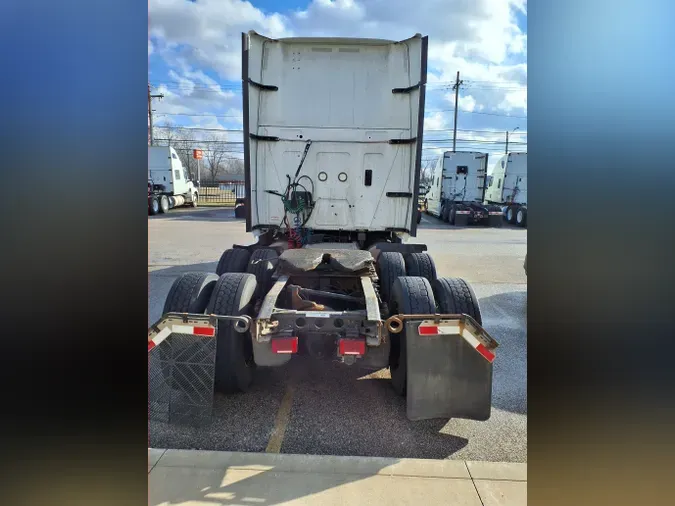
(479, 38)
(150, 48)
(435, 121)
(235, 115)
(466, 102)
(210, 122)
(514, 100)
(208, 32)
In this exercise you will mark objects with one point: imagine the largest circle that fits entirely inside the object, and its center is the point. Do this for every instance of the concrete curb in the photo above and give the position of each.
(190, 477)
(331, 464)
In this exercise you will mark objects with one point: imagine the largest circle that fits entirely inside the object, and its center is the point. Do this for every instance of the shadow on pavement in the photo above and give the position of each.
(254, 484)
(199, 214)
(359, 415)
(433, 223)
(505, 318)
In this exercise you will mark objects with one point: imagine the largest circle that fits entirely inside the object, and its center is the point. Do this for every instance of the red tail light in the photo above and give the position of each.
(352, 346)
(285, 345)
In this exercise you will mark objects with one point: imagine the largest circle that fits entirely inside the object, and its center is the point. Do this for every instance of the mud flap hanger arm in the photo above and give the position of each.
(196, 324)
(395, 323)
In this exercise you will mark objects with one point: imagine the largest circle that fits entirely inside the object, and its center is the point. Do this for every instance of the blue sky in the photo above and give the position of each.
(194, 53)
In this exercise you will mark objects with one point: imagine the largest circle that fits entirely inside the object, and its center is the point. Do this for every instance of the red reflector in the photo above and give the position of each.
(428, 330)
(485, 352)
(352, 346)
(204, 331)
(285, 345)
(151, 345)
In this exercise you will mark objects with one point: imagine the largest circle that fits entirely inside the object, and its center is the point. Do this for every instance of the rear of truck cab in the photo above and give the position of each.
(361, 104)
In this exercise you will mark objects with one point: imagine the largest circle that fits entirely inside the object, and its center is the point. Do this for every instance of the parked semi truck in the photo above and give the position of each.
(169, 185)
(458, 189)
(507, 187)
(332, 151)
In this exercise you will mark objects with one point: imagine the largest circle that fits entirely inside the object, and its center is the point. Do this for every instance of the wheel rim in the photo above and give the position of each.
(509, 214)
(519, 216)
(155, 206)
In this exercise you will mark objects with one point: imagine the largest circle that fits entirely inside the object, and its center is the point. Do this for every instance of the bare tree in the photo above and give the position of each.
(235, 166)
(185, 144)
(215, 158)
(165, 133)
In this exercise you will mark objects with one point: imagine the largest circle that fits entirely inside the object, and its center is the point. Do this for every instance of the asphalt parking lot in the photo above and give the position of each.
(331, 409)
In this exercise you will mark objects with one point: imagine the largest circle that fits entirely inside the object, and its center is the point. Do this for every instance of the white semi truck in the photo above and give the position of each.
(332, 152)
(458, 188)
(169, 184)
(507, 187)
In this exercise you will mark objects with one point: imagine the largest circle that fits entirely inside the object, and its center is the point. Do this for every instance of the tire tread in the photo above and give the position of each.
(455, 296)
(233, 260)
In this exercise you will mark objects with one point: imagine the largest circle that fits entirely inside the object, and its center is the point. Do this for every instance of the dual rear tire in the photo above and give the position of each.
(392, 265)
(516, 215)
(416, 295)
(231, 294)
(241, 280)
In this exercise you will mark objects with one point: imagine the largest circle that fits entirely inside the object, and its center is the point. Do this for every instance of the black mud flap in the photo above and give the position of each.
(447, 376)
(496, 220)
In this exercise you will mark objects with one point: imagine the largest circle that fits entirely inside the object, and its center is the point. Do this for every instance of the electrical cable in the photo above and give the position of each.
(297, 235)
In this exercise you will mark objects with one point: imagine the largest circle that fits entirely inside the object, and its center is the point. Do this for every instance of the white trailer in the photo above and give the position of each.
(507, 187)
(169, 184)
(332, 151)
(458, 188)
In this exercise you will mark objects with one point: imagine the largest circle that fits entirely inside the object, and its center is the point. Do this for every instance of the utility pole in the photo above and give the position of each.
(150, 97)
(454, 131)
(506, 150)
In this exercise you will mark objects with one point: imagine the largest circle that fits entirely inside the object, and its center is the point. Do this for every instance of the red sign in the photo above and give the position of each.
(197, 154)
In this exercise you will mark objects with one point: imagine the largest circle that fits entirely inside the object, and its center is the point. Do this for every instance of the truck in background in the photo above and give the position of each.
(169, 185)
(507, 187)
(458, 189)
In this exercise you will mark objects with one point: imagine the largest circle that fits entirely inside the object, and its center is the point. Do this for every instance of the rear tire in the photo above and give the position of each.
(233, 260)
(154, 206)
(390, 265)
(420, 264)
(451, 216)
(410, 295)
(164, 204)
(444, 213)
(262, 265)
(521, 217)
(190, 293)
(232, 296)
(510, 214)
(195, 198)
(455, 296)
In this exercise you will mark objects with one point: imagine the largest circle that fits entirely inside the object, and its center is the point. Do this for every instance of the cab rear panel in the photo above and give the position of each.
(360, 102)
